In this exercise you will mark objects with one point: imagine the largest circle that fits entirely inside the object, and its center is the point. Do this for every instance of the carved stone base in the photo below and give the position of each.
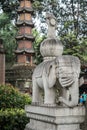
(54, 118)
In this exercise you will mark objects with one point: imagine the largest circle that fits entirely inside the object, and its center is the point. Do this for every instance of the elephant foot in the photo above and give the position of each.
(67, 103)
(35, 103)
(50, 105)
(60, 99)
(62, 102)
(41, 104)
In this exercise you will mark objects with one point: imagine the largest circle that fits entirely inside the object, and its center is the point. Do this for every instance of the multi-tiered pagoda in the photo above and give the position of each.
(25, 38)
(21, 73)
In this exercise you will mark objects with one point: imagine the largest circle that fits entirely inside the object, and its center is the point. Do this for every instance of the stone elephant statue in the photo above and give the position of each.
(66, 70)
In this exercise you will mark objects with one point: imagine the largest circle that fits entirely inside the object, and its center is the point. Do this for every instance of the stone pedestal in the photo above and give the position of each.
(54, 118)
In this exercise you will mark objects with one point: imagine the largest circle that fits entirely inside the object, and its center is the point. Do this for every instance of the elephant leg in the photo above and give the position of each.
(65, 95)
(36, 95)
(49, 97)
(74, 90)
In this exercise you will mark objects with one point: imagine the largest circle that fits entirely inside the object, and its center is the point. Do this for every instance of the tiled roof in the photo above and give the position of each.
(26, 22)
(25, 36)
(25, 9)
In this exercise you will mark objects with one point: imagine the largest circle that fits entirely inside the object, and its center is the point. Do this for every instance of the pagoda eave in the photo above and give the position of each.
(25, 22)
(22, 51)
(23, 66)
(25, 37)
(25, 9)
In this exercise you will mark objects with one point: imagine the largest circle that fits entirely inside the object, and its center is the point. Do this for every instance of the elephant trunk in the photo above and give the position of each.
(52, 76)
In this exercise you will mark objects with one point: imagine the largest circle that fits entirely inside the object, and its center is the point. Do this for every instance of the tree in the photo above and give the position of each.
(70, 14)
(7, 33)
(75, 46)
(36, 46)
(9, 7)
(71, 17)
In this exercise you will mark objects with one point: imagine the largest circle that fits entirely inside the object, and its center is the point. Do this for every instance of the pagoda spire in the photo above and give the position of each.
(25, 38)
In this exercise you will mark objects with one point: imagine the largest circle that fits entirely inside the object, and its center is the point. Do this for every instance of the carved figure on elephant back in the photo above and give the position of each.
(66, 70)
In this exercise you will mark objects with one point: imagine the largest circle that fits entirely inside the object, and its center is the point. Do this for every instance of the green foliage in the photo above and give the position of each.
(37, 5)
(9, 7)
(4, 19)
(13, 119)
(70, 43)
(36, 45)
(12, 103)
(74, 46)
(8, 33)
(82, 50)
(12, 98)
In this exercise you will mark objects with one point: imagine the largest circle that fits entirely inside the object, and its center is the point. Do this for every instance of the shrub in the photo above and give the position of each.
(13, 119)
(12, 114)
(10, 97)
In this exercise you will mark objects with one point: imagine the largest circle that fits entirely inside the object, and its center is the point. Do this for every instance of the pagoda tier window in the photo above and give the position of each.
(28, 59)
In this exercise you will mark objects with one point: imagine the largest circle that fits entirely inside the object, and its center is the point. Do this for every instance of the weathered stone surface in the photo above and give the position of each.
(66, 70)
(50, 48)
(54, 118)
